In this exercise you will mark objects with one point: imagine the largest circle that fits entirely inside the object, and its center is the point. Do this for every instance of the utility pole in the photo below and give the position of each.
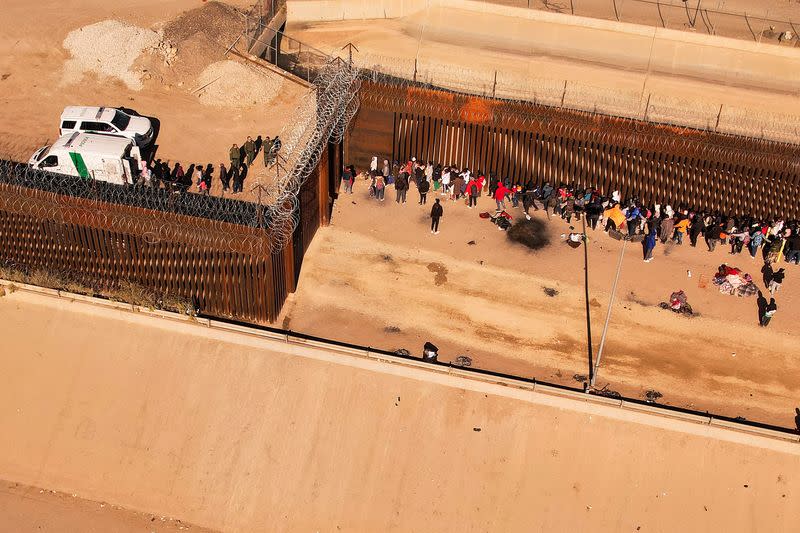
(586, 294)
(608, 315)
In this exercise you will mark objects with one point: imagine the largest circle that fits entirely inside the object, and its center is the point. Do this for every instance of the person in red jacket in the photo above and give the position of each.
(473, 191)
(500, 194)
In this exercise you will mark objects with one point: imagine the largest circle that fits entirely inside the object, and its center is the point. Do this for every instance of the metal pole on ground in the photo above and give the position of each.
(608, 315)
(586, 291)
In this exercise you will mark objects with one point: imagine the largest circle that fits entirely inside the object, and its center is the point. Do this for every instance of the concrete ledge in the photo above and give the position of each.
(677, 415)
(483, 381)
(324, 10)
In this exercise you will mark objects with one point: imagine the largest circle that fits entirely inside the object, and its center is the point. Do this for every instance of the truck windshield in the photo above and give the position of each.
(120, 120)
(43, 154)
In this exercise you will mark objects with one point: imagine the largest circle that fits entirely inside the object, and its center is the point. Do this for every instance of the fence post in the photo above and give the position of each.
(718, 116)
(494, 87)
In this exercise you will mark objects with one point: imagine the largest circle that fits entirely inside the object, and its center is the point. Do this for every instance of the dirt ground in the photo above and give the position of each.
(725, 17)
(33, 94)
(25, 509)
(238, 433)
(377, 277)
(590, 68)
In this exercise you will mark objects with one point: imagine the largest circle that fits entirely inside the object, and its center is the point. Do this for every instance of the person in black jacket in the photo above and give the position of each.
(713, 234)
(697, 228)
(769, 311)
(224, 177)
(401, 187)
(775, 281)
(436, 213)
(423, 187)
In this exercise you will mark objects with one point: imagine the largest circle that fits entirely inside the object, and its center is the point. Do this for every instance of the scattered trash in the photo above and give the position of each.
(608, 393)
(549, 291)
(652, 396)
(463, 360)
(471, 243)
(430, 352)
(478, 429)
(391, 329)
(677, 303)
(580, 377)
(402, 352)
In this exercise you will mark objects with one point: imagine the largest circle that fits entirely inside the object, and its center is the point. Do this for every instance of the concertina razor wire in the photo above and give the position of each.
(160, 215)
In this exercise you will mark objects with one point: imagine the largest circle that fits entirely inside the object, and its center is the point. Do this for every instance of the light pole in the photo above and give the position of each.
(608, 315)
(586, 294)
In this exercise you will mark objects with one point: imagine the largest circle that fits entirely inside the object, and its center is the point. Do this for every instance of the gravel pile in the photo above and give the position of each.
(108, 49)
(231, 84)
(219, 22)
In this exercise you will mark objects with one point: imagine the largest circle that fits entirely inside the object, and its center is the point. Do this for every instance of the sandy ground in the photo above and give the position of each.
(720, 14)
(32, 95)
(463, 49)
(25, 509)
(239, 433)
(398, 286)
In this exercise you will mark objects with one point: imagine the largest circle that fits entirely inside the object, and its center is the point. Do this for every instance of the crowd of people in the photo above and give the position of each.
(175, 178)
(773, 240)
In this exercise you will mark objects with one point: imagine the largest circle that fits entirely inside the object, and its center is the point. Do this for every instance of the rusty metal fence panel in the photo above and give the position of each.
(529, 142)
(229, 270)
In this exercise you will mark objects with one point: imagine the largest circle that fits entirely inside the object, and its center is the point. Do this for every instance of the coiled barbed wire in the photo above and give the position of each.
(222, 223)
(322, 117)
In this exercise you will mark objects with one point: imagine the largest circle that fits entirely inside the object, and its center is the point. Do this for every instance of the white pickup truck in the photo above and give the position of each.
(107, 121)
(100, 157)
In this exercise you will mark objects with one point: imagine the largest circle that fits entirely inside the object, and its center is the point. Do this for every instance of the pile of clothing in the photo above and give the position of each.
(501, 219)
(677, 303)
(730, 280)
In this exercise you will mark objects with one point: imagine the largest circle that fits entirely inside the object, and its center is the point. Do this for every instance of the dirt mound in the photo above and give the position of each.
(219, 22)
(109, 49)
(532, 233)
(231, 84)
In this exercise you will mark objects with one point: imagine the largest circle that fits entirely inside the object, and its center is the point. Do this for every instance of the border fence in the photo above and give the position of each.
(219, 252)
(529, 142)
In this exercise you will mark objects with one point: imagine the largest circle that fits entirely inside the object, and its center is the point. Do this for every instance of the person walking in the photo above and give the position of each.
(769, 312)
(500, 193)
(681, 229)
(347, 180)
(236, 156)
(250, 150)
(650, 245)
(436, 213)
(233, 176)
(775, 281)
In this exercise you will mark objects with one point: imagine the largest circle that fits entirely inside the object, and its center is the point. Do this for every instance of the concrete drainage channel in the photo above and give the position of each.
(481, 378)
